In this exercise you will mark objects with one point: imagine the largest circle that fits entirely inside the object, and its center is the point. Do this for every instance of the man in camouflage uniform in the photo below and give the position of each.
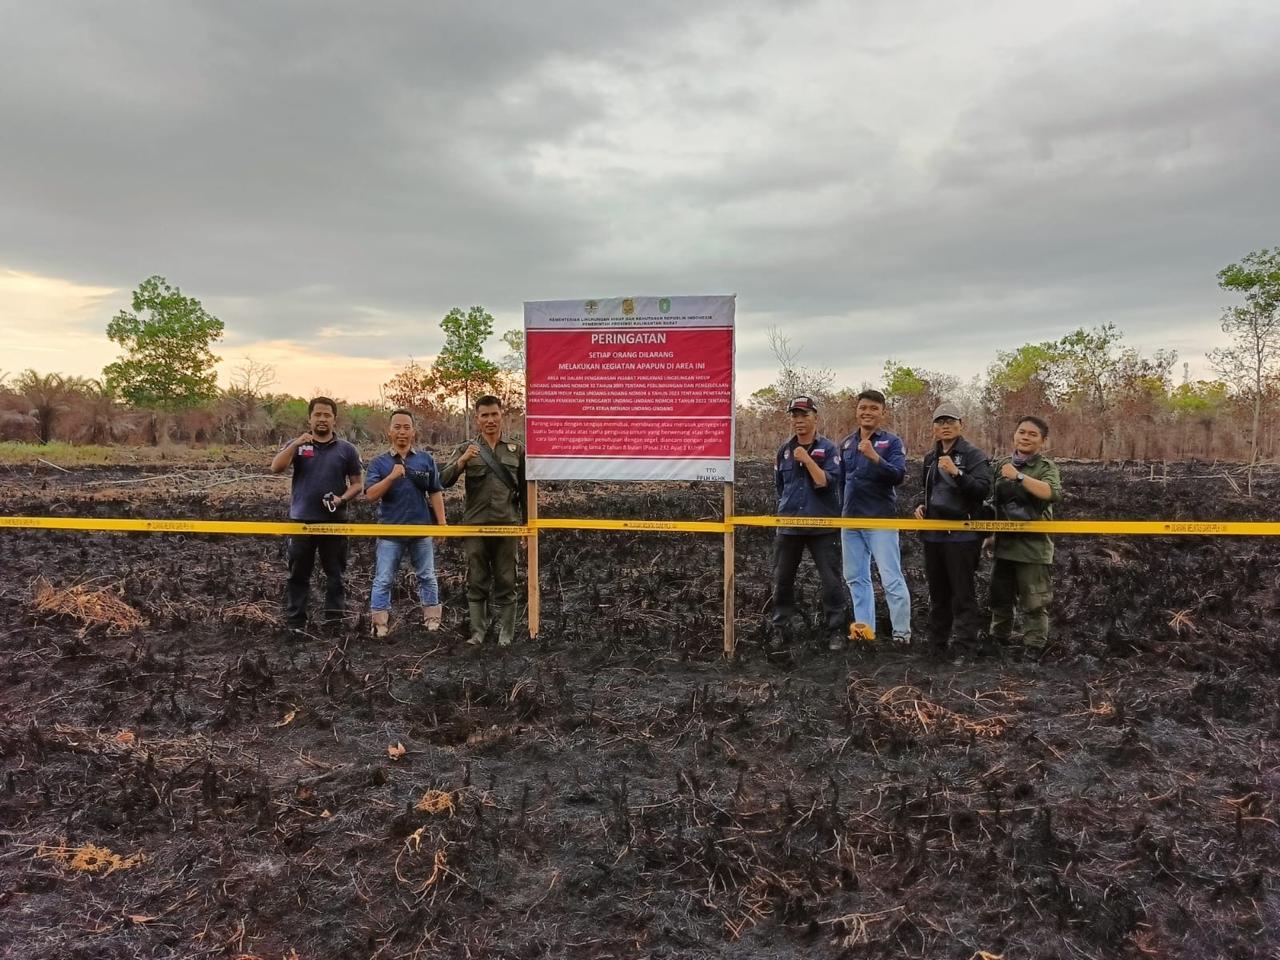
(1027, 485)
(493, 465)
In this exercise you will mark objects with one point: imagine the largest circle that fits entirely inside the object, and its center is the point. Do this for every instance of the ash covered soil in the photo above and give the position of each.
(203, 785)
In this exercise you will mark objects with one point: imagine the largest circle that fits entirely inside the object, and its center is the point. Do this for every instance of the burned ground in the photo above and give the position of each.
(183, 780)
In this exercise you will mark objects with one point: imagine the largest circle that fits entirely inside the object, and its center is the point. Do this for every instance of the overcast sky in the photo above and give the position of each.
(924, 181)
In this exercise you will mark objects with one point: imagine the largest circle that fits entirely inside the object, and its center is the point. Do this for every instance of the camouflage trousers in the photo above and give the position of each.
(1028, 586)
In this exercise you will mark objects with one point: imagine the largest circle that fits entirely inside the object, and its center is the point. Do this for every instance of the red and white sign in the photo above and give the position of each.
(636, 388)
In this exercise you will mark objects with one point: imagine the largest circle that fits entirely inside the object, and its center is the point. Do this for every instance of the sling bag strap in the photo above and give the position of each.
(486, 454)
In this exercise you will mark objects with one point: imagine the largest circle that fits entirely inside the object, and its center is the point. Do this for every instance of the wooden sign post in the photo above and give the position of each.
(730, 642)
(630, 388)
(535, 594)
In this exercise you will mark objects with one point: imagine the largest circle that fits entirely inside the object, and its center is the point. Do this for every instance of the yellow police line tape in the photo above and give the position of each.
(1108, 527)
(269, 528)
(651, 526)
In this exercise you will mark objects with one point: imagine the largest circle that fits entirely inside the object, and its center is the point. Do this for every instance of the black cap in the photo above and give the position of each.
(804, 404)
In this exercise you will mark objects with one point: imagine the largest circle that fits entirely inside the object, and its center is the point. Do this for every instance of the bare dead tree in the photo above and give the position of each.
(793, 377)
(1250, 363)
(250, 382)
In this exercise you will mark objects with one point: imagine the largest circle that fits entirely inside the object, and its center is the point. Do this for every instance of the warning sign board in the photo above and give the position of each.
(630, 388)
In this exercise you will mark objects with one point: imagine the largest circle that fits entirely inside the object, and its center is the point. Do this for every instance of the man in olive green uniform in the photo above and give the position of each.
(493, 464)
(1027, 485)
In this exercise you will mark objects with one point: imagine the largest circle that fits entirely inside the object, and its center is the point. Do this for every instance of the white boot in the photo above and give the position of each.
(432, 616)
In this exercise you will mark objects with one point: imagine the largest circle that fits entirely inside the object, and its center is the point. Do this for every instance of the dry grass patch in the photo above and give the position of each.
(88, 858)
(91, 607)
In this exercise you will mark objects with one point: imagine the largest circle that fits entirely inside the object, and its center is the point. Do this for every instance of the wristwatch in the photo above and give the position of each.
(1020, 477)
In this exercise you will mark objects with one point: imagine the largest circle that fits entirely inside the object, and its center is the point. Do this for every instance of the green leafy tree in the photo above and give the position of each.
(509, 382)
(1257, 276)
(513, 362)
(1095, 373)
(461, 367)
(912, 395)
(1021, 381)
(1199, 404)
(902, 383)
(363, 423)
(1032, 367)
(1090, 361)
(1201, 398)
(1252, 361)
(284, 416)
(167, 363)
(767, 400)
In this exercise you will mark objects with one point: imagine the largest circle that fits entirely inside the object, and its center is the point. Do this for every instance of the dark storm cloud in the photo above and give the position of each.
(362, 169)
(1099, 180)
(254, 150)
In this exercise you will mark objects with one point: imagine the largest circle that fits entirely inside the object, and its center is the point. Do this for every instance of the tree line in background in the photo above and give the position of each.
(164, 388)
(1104, 399)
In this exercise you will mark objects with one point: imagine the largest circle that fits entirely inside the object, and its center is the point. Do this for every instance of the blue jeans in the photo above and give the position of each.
(422, 555)
(859, 547)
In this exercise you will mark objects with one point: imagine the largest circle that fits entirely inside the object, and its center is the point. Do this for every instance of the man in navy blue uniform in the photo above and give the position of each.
(806, 475)
(873, 464)
(401, 482)
(326, 477)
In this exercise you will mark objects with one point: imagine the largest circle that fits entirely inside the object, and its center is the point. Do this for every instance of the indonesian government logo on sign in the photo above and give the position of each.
(664, 305)
(591, 306)
(628, 307)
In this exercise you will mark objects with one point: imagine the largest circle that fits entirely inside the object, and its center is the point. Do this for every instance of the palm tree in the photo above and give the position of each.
(103, 414)
(49, 396)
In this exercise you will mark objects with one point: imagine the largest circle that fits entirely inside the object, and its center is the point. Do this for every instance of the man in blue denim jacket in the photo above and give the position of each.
(874, 463)
(806, 474)
(401, 482)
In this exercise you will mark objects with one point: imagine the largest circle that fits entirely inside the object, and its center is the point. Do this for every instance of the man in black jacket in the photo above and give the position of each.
(957, 479)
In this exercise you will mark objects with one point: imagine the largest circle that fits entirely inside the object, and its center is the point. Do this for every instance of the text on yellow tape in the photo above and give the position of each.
(265, 528)
(271, 528)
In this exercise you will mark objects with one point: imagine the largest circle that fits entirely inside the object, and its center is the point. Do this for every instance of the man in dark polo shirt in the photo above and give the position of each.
(401, 482)
(326, 477)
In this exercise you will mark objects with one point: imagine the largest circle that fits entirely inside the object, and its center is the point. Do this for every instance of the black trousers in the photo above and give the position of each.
(302, 550)
(951, 568)
(788, 549)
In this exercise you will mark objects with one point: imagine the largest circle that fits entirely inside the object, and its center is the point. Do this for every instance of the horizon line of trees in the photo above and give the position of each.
(1103, 399)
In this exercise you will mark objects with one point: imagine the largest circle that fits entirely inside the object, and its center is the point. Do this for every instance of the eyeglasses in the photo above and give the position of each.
(946, 421)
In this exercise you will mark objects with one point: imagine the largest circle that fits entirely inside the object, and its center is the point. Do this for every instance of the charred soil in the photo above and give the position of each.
(180, 778)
